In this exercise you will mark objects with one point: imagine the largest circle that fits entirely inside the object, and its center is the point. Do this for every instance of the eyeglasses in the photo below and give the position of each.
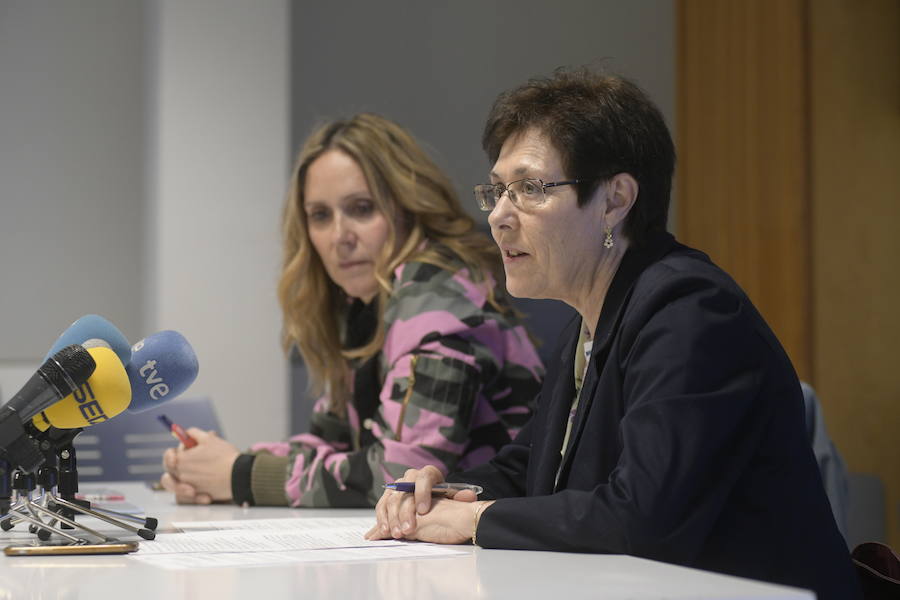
(525, 194)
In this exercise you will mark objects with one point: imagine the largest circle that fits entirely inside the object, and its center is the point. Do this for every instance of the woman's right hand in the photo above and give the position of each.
(184, 492)
(395, 512)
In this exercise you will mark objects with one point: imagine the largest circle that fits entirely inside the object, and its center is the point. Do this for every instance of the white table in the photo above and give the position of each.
(477, 574)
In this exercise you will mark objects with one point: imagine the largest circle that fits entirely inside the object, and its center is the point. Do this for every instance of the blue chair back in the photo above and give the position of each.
(129, 447)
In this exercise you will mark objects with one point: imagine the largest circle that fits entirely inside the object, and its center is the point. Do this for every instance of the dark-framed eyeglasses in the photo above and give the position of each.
(525, 194)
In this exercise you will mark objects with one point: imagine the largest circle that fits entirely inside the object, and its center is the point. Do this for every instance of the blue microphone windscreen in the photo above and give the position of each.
(93, 327)
(162, 366)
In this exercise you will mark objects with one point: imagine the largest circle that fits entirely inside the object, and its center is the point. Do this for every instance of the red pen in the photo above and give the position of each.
(101, 497)
(179, 433)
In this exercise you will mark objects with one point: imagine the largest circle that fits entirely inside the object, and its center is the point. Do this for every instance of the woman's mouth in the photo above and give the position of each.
(350, 264)
(510, 254)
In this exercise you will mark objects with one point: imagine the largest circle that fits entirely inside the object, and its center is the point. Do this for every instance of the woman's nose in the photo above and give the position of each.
(504, 214)
(344, 233)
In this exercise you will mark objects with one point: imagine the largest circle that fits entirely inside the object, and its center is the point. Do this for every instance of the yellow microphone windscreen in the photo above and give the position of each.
(106, 393)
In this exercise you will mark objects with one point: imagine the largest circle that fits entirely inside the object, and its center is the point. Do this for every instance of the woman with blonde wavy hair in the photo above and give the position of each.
(391, 297)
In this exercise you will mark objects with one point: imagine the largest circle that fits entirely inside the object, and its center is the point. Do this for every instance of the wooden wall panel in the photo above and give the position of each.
(742, 180)
(789, 177)
(855, 60)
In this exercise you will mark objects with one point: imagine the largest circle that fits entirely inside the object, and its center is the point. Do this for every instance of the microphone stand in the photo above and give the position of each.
(24, 509)
(61, 506)
(64, 502)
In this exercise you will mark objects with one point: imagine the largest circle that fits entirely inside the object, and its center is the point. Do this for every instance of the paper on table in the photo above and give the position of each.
(266, 540)
(235, 559)
(361, 523)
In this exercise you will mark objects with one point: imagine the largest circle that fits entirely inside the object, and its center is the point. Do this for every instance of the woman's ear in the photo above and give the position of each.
(622, 193)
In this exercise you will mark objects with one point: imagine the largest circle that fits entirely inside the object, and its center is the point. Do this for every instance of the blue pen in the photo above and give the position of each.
(438, 488)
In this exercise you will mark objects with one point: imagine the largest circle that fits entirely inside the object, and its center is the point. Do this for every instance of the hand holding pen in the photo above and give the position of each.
(199, 470)
(420, 488)
(177, 432)
(408, 504)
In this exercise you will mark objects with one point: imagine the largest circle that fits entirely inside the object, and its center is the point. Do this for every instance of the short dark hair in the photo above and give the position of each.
(601, 125)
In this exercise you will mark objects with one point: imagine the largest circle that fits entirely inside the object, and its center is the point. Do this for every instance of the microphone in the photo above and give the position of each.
(105, 394)
(94, 327)
(59, 376)
(162, 366)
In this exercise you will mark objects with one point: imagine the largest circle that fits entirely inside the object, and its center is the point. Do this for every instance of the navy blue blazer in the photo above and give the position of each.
(688, 445)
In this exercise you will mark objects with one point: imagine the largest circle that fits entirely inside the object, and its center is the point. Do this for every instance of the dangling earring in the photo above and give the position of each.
(608, 242)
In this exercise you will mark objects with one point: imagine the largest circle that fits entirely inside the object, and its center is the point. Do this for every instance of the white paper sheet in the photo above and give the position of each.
(243, 540)
(264, 535)
(362, 523)
(259, 559)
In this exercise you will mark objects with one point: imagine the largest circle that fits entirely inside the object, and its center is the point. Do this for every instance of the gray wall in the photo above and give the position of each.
(71, 169)
(143, 154)
(436, 67)
(219, 162)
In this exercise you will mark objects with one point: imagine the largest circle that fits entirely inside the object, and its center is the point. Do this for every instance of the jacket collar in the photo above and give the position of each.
(635, 262)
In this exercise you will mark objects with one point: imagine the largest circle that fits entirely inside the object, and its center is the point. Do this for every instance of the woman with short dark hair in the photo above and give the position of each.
(671, 424)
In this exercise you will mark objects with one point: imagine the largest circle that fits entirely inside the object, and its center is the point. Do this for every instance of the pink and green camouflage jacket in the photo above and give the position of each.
(453, 383)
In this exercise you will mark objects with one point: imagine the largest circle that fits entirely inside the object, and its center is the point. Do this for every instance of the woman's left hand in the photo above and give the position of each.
(449, 521)
(206, 467)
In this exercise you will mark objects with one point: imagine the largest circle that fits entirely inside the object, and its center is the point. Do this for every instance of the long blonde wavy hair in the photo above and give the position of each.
(419, 204)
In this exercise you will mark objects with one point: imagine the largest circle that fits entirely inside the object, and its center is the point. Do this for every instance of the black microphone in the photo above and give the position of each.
(59, 376)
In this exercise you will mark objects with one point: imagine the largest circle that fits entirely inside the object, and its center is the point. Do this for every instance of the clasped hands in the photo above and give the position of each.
(419, 516)
(202, 474)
